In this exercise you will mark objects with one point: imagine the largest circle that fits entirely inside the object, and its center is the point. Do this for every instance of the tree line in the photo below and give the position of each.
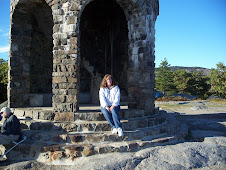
(195, 83)
(3, 80)
(178, 81)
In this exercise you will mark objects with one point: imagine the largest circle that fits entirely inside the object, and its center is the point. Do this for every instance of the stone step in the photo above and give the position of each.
(47, 113)
(86, 126)
(39, 113)
(90, 137)
(98, 116)
(68, 153)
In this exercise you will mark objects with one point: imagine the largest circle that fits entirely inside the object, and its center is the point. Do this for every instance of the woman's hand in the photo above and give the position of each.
(108, 108)
(111, 108)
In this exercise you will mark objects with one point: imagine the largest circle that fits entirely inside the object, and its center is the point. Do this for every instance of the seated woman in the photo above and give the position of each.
(109, 95)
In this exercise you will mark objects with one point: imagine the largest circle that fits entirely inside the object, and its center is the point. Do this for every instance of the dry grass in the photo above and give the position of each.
(170, 98)
(218, 101)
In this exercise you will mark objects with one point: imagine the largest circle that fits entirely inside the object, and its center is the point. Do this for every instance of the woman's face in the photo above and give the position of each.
(109, 81)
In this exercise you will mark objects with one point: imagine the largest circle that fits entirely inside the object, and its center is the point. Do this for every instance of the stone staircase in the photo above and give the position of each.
(55, 142)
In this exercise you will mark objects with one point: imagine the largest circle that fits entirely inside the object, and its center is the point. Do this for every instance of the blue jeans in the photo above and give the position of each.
(112, 117)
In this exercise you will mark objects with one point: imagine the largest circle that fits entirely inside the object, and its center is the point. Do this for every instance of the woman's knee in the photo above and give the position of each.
(116, 108)
(115, 111)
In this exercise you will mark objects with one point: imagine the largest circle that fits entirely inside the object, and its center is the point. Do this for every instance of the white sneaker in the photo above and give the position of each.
(114, 131)
(120, 133)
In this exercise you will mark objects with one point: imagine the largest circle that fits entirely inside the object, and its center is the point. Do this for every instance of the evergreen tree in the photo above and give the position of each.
(198, 84)
(164, 77)
(3, 79)
(181, 79)
(218, 80)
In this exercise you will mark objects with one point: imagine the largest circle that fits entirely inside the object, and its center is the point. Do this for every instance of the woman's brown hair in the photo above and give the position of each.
(103, 84)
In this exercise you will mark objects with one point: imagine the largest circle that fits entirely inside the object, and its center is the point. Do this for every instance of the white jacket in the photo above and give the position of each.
(109, 97)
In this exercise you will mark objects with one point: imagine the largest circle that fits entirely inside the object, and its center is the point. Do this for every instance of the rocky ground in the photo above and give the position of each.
(205, 147)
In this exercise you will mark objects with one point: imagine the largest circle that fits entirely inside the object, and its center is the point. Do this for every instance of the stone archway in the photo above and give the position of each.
(31, 59)
(68, 56)
(103, 47)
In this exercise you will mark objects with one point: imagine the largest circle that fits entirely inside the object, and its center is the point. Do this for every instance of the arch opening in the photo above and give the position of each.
(41, 62)
(32, 61)
(103, 48)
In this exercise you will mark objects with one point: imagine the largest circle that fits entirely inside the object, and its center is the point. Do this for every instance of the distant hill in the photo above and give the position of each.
(205, 71)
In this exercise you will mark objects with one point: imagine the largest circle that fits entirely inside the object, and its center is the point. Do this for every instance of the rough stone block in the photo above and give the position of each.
(59, 99)
(75, 154)
(72, 91)
(52, 148)
(28, 114)
(19, 113)
(35, 114)
(86, 127)
(60, 138)
(95, 138)
(71, 98)
(88, 150)
(74, 7)
(76, 138)
(59, 80)
(105, 149)
(63, 107)
(57, 155)
(71, 20)
(46, 115)
(64, 117)
(14, 47)
(58, 12)
(133, 146)
(103, 127)
(115, 138)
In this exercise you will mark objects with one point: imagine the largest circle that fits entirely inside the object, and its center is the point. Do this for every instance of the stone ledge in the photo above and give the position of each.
(83, 150)
(55, 137)
(65, 122)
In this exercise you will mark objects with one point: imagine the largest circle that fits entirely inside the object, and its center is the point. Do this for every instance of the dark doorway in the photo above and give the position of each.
(103, 48)
(41, 61)
(32, 62)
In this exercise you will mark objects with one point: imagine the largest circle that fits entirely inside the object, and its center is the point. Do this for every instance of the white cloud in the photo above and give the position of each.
(5, 35)
(4, 49)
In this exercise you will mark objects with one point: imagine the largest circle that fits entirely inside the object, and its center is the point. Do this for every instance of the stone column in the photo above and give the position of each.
(141, 79)
(65, 62)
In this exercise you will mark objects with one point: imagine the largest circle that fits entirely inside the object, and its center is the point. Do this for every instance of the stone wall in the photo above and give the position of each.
(66, 17)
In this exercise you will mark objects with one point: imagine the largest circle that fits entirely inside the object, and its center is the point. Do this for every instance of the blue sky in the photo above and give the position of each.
(191, 33)
(188, 32)
(4, 28)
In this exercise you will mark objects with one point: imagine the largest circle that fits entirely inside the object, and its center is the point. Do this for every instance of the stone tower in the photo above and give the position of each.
(61, 49)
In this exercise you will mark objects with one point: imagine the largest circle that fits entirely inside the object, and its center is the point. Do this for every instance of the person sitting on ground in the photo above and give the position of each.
(109, 95)
(10, 130)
